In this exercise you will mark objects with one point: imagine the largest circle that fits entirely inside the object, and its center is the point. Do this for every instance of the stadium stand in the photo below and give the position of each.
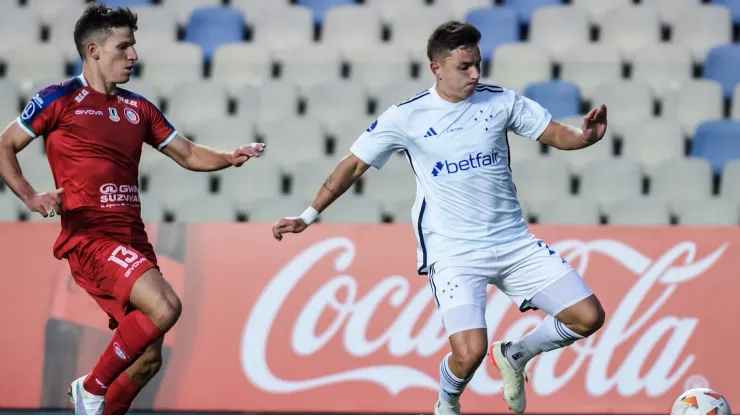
(721, 65)
(561, 98)
(307, 77)
(698, 100)
(628, 28)
(211, 27)
(570, 211)
(706, 212)
(733, 6)
(525, 8)
(127, 3)
(498, 25)
(677, 180)
(321, 7)
(637, 211)
(589, 66)
(717, 141)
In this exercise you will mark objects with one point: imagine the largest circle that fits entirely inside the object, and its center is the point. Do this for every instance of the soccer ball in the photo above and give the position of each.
(701, 402)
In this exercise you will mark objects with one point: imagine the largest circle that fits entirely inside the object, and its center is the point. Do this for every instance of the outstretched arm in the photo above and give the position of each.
(341, 178)
(13, 140)
(200, 158)
(564, 137)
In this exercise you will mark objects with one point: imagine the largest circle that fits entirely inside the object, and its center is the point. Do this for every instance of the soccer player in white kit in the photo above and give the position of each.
(467, 219)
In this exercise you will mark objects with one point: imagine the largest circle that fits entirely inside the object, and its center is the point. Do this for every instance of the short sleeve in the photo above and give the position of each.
(161, 132)
(384, 136)
(40, 114)
(527, 118)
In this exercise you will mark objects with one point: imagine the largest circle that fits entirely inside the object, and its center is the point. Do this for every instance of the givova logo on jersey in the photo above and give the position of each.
(472, 161)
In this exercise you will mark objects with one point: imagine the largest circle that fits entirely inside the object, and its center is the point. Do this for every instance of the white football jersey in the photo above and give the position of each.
(466, 199)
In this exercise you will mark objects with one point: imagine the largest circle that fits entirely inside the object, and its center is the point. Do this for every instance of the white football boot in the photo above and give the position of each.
(513, 379)
(444, 408)
(85, 403)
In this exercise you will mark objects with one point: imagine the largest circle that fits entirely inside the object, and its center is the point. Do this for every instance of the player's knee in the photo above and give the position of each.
(167, 312)
(172, 310)
(153, 296)
(468, 357)
(590, 319)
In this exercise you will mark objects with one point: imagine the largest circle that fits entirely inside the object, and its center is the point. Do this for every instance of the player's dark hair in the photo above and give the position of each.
(99, 20)
(450, 36)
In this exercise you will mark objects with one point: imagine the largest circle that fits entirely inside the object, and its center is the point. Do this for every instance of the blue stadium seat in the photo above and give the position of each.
(718, 142)
(319, 7)
(211, 27)
(126, 3)
(722, 65)
(525, 8)
(561, 98)
(498, 25)
(733, 5)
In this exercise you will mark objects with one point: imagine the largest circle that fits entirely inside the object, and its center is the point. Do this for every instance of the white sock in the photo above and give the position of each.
(549, 335)
(450, 385)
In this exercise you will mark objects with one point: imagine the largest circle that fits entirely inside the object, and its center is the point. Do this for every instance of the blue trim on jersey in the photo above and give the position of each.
(508, 150)
(421, 95)
(45, 98)
(486, 88)
(408, 156)
(421, 214)
(421, 239)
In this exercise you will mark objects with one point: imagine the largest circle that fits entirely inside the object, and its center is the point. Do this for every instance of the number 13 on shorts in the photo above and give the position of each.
(127, 257)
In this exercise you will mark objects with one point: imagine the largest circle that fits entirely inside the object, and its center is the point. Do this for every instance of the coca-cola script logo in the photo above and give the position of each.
(645, 331)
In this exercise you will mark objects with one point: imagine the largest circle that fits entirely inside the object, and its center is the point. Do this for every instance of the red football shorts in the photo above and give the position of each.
(107, 269)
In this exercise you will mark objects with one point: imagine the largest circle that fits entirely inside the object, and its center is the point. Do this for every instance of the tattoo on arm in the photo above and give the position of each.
(326, 186)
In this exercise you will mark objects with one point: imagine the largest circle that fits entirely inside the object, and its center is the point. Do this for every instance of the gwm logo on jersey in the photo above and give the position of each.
(112, 193)
(131, 115)
(473, 161)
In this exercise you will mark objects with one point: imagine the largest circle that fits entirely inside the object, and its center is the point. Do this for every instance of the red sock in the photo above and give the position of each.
(120, 395)
(130, 340)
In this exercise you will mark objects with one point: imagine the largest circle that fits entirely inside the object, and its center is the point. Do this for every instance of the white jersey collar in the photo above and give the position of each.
(441, 101)
(82, 79)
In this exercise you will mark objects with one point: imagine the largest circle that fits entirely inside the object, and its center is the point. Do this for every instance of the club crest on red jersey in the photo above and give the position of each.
(113, 114)
(131, 115)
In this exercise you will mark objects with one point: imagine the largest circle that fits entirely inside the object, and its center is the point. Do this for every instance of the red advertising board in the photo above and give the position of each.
(337, 320)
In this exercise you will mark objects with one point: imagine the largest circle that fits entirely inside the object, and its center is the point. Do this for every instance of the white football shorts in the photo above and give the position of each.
(521, 269)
